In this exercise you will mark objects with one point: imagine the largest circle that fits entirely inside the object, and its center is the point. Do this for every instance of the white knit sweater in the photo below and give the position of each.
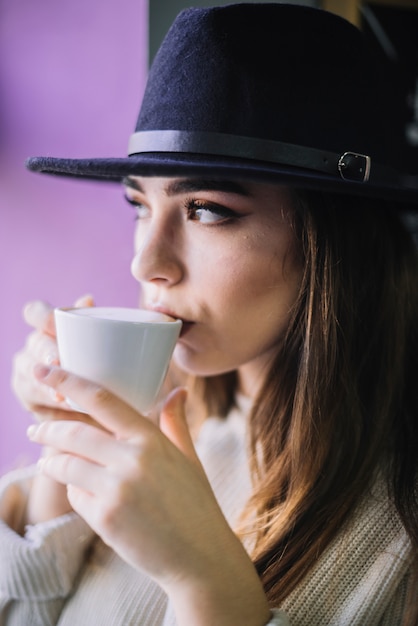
(60, 573)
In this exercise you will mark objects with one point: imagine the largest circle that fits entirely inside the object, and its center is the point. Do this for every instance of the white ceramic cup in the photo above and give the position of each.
(128, 351)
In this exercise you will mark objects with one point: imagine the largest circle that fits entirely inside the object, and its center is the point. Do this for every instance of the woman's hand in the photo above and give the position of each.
(40, 347)
(144, 491)
(46, 499)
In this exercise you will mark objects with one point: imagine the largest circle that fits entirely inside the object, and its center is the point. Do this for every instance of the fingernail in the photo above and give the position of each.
(86, 300)
(52, 358)
(31, 431)
(32, 306)
(41, 370)
(41, 463)
(35, 307)
(55, 396)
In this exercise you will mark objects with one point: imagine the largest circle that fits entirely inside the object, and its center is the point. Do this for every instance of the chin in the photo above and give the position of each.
(197, 363)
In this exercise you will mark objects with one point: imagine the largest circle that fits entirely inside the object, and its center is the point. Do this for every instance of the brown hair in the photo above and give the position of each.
(346, 405)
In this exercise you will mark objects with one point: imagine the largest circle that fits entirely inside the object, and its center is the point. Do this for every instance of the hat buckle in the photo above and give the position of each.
(354, 167)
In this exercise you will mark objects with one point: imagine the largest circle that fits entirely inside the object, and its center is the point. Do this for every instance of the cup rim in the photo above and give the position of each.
(154, 317)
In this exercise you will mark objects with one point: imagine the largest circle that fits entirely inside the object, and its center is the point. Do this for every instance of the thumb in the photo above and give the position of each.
(174, 425)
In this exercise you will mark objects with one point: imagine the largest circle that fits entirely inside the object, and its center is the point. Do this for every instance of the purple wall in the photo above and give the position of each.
(71, 79)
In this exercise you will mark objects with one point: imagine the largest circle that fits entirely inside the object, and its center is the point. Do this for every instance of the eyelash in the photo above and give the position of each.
(135, 205)
(192, 206)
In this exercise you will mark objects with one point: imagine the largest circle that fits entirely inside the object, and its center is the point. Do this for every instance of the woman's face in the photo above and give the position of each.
(221, 256)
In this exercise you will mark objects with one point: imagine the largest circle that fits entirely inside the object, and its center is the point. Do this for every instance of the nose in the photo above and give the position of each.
(157, 256)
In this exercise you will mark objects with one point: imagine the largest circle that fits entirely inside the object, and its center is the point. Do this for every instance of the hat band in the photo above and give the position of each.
(349, 166)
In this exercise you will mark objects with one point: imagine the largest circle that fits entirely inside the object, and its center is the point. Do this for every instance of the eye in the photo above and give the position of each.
(141, 211)
(208, 212)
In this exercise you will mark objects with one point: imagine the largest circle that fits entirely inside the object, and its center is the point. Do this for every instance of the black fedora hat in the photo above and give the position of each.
(270, 92)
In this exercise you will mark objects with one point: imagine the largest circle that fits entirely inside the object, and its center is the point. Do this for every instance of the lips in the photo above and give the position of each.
(160, 308)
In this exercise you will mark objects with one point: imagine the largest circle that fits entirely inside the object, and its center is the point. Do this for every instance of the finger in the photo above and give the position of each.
(84, 301)
(40, 315)
(43, 348)
(72, 470)
(173, 421)
(174, 425)
(78, 438)
(39, 347)
(106, 408)
(62, 412)
(80, 500)
(88, 506)
(26, 387)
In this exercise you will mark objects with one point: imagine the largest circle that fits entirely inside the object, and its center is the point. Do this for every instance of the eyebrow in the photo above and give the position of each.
(185, 185)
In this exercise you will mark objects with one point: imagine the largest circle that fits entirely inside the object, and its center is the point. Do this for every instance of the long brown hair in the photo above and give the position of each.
(339, 404)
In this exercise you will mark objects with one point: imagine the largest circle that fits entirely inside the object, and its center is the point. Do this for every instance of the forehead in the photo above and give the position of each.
(176, 186)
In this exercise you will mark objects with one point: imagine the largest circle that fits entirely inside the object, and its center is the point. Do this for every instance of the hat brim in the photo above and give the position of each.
(182, 164)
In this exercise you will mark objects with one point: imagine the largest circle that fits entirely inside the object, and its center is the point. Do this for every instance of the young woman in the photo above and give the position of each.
(270, 220)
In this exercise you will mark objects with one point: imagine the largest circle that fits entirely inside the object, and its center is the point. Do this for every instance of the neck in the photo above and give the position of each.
(251, 377)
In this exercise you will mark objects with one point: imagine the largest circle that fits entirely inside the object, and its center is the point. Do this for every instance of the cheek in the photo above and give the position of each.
(222, 280)
(262, 290)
